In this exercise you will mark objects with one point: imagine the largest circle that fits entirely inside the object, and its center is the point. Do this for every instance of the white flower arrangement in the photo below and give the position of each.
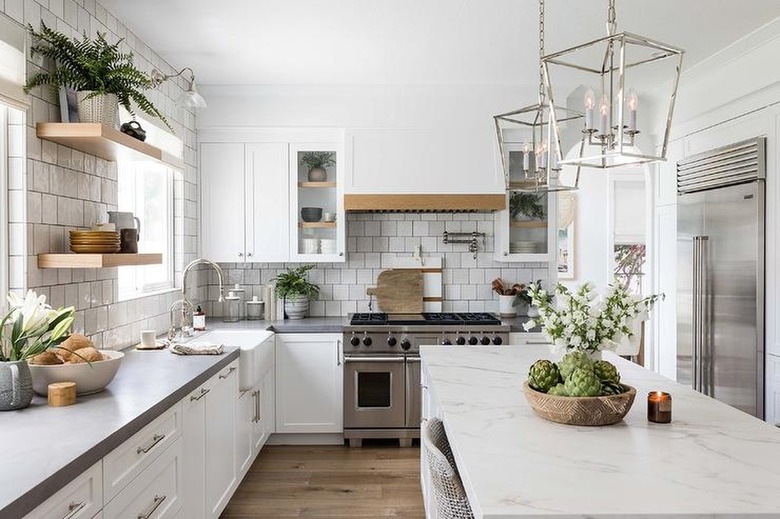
(583, 321)
(31, 326)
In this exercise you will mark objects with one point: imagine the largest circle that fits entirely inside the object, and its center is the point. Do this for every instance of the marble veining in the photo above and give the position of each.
(712, 461)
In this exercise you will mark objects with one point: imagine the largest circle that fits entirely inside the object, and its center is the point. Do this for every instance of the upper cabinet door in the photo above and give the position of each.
(527, 231)
(267, 216)
(317, 219)
(222, 201)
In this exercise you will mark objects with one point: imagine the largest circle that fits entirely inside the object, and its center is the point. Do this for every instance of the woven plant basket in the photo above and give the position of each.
(586, 410)
(102, 109)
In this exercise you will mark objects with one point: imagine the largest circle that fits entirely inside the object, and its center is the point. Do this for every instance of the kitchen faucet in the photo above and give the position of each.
(201, 261)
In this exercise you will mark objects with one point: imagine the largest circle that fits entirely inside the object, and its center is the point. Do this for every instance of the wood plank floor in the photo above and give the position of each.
(377, 480)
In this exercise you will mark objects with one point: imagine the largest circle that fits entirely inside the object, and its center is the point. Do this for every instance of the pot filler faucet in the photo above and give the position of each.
(186, 306)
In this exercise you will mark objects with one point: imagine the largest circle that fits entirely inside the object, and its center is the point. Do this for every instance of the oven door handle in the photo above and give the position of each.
(412, 359)
(352, 358)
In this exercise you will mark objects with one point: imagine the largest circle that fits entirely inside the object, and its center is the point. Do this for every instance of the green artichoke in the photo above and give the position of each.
(543, 375)
(573, 360)
(583, 382)
(611, 388)
(606, 371)
(558, 390)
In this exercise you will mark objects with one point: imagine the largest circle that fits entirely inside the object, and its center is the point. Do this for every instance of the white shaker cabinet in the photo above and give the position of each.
(82, 498)
(309, 383)
(772, 400)
(209, 444)
(521, 238)
(255, 420)
(244, 191)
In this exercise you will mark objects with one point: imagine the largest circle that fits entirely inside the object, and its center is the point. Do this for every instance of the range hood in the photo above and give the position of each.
(424, 203)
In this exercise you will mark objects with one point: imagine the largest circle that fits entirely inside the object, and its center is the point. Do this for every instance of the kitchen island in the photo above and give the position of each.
(712, 461)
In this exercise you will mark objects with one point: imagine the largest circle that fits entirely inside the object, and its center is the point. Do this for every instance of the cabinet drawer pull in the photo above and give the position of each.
(203, 392)
(248, 254)
(257, 404)
(157, 438)
(226, 375)
(74, 508)
(240, 254)
(155, 504)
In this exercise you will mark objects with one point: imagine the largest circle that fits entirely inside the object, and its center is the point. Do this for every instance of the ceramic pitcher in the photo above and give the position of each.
(15, 385)
(124, 220)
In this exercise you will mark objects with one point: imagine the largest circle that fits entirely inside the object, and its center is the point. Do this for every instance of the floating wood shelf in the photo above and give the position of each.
(88, 261)
(102, 141)
(425, 202)
(313, 225)
(317, 184)
(528, 224)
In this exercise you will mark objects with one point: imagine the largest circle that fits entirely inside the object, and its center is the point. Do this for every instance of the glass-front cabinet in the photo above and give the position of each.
(317, 202)
(526, 230)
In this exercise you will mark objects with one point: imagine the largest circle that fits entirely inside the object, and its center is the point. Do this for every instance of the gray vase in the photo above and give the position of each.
(16, 390)
(296, 307)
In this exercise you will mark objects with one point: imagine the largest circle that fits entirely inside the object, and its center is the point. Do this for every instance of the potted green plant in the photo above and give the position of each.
(28, 328)
(296, 290)
(102, 76)
(526, 206)
(317, 161)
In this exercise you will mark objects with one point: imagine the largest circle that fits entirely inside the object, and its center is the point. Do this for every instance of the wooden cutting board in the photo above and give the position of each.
(399, 291)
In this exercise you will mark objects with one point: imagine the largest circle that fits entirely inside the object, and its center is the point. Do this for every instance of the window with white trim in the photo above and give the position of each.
(145, 188)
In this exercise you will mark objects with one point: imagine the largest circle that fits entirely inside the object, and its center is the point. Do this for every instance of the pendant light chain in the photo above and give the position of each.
(611, 18)
(542, 90)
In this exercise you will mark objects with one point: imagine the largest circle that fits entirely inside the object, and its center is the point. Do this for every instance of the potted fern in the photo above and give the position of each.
(317, 161)
(296, 290)
(102, 76)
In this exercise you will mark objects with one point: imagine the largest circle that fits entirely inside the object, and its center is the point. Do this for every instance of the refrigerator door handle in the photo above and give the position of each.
(705, 348)
(696, 317)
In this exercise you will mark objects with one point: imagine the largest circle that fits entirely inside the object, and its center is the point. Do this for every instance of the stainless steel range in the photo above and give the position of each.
(382, 367)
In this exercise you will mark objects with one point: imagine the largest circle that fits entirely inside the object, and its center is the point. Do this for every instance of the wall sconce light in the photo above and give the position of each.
(190, 98)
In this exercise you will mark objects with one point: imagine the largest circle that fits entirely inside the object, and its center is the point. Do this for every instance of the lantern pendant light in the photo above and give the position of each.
(531, 152)
(606, 68)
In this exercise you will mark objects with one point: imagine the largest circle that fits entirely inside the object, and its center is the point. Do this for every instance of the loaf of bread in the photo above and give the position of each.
(47, 358)
(88, 354)
(73, 343)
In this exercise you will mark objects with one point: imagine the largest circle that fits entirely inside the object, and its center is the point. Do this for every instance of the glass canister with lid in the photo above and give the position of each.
(231, 308)
(255, 309)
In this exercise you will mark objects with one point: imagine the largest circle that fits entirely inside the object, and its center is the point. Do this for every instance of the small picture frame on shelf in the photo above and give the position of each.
(69, 109)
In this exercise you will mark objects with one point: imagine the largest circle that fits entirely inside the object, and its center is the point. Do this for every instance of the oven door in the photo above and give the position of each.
(374, 392)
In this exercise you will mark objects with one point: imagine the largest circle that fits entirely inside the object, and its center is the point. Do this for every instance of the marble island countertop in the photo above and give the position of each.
(712, 461)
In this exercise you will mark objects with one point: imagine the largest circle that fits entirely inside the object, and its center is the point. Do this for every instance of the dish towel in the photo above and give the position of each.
(197, 348)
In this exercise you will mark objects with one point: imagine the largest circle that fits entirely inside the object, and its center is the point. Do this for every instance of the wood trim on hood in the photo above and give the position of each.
(425, 203)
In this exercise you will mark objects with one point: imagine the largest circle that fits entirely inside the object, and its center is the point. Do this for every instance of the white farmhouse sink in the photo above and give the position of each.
(256, 355)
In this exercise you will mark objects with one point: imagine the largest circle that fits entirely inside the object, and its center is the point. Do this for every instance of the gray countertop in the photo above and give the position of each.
(324, 325)
(44, 448)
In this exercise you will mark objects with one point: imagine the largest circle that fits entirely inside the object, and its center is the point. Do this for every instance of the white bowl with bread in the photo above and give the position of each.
(75, 360)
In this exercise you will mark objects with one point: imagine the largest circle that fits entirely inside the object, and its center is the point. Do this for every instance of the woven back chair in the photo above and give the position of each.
(451, 500)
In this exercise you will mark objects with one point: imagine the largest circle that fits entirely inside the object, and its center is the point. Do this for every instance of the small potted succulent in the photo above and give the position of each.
(317, 161)
(28, 328)
(102, 76)
(526, 206)
(296, 290)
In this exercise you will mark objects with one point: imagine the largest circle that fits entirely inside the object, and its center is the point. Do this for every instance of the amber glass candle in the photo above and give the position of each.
(659, 407)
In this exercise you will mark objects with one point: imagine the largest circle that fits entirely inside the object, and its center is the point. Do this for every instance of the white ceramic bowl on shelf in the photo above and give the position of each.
(89, 378)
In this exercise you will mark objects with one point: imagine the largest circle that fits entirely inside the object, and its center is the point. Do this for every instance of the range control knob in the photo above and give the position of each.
(406, 345)
(484, 340)
(460, 341)
(392, 341)
(367, 341)
(446, 342)
(473, 340)
(355, 341)
(497, 340)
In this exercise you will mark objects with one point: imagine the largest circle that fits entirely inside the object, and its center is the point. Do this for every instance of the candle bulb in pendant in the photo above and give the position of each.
(542, 156)
(526, 158)
(633, 102)
(659, 407)
(590, 105)
(604, 116)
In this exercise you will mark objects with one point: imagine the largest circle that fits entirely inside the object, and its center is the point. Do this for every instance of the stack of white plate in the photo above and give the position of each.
(328, 246)
(523, 247)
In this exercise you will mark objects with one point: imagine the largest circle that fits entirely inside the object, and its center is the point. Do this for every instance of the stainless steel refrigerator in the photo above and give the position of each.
(720, 274)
